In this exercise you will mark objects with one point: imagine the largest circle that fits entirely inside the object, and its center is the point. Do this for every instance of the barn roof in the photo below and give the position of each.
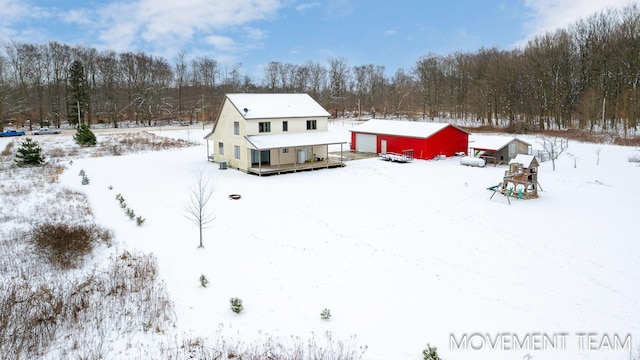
(491, 142)
(414, 129)
(268, 106)
(286, 140)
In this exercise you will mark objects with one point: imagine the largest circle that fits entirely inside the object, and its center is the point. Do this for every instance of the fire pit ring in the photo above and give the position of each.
(234, 196)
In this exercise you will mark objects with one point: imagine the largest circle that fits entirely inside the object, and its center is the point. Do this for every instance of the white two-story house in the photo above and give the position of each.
(272, 134)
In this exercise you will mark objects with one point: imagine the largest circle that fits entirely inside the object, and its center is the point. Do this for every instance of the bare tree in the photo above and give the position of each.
(317, 77)
(199, 195)
(554, 147)
(4, 89)
(271, 75)
(338, 79)
(181, 78)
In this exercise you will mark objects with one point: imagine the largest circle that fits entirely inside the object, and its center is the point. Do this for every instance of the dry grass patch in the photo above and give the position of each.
(64, 245)
(7, 149)
(56, 152)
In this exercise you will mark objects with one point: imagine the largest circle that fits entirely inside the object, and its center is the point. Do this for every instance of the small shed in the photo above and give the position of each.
(497, 149)
(426, 139)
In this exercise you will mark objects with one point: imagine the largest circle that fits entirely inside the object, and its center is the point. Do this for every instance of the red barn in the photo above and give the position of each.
(426, 139)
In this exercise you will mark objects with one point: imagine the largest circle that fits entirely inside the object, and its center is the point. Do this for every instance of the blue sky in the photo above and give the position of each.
(393, 34)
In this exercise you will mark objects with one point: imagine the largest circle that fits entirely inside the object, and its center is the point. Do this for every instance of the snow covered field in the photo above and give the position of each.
(403, 254)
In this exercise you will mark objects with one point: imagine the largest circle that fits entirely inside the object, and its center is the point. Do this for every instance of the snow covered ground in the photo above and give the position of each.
(403, 254)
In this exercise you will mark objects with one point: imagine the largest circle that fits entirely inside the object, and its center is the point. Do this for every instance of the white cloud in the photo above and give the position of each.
(116, 27)
(224, 43)
(306, 6)
(181, 19)
(163, 26)
(12, 10)
(390, 32)
(550, 15)
(76, 16)
(340, 8)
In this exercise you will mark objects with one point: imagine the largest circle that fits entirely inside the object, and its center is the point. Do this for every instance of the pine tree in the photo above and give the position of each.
(78, 93)
(29, 154)
(431, 353)
(84, 136)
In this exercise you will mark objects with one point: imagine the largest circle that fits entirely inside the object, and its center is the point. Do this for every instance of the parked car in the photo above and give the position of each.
(8, 133)
(45, 131)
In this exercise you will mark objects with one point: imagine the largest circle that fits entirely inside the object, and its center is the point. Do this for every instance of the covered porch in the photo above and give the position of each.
(284, 153)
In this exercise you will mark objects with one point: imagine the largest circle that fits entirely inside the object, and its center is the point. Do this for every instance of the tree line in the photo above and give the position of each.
(581, 77)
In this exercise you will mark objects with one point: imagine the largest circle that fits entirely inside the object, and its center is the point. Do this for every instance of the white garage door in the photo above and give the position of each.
(366, 143)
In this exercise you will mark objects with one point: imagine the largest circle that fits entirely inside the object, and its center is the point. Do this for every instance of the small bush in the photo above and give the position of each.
(236, 305)
(203, 281)
(130, 213)
(84, 136)
(140, 220)
(325, 314)
(635, 158)
(85, 180)
(65, 245)
(431, 353)
(29, 154)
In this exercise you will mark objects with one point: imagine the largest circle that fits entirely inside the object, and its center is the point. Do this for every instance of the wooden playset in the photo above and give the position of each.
(520, 180)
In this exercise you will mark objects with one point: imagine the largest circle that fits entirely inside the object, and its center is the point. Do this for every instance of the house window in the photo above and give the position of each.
(285, 126)
(220, 148)
(311, 125)
(285, 150)
(236, 128)
(264, 127)
(236, 152)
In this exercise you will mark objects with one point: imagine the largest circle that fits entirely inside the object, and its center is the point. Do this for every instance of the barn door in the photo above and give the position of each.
(366, 142)
(383, 146)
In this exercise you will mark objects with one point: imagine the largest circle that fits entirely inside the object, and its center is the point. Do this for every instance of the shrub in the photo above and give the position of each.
(84, 136)
(203, 281)
(29, 154)
(130, 213)
(325, 314)
(7, 149)
(236, 305)
(85, 180)
(140, 220)
(65, 245)
(431, 353)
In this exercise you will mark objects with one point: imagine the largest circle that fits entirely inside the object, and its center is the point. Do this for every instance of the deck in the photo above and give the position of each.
(288, 168)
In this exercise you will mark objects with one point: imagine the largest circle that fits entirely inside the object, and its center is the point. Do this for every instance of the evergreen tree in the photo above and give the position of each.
(29, 154)
(84, 136)
(78, 93)
(431, 353)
